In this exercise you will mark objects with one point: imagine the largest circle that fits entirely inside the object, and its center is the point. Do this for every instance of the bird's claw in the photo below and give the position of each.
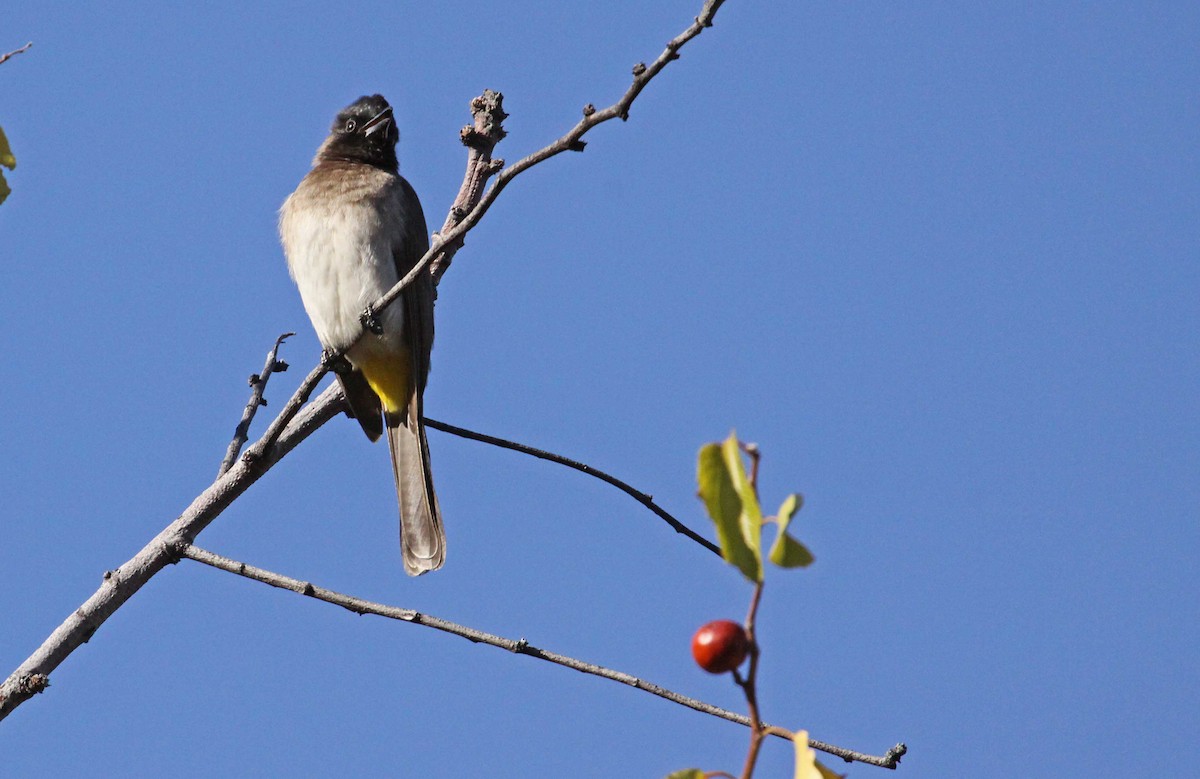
(335, 362)
(370, 320)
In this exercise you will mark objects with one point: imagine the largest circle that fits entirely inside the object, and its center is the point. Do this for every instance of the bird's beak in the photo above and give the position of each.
(378, 121)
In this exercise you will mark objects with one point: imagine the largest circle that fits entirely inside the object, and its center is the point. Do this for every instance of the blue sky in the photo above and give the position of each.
(939, 261)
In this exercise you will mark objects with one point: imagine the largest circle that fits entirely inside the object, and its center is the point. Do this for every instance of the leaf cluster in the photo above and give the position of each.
(732, 502)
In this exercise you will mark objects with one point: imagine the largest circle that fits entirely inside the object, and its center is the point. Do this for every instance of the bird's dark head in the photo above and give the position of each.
(364, 131)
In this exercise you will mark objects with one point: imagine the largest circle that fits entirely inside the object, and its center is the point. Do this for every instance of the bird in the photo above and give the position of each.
(351, 230)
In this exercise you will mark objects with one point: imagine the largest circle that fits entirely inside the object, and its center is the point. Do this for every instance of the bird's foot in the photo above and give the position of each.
(335, 362)
(370, 320)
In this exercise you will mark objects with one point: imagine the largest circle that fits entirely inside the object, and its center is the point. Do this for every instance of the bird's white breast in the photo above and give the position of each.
(339, 252)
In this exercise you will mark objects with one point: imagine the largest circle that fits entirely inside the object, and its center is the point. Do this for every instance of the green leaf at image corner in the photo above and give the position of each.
(787, 552)
(4, 190)
(725, 509)
(750, 519)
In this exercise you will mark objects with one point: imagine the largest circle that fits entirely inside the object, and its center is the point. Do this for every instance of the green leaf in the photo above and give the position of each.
(787, 552)
(687, 773)
(6, 156)
(750, 518)
(7, 160)
(807, 765)
(725, 508)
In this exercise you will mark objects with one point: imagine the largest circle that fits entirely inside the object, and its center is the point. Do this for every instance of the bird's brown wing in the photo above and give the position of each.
(422, 536)
(418, 297)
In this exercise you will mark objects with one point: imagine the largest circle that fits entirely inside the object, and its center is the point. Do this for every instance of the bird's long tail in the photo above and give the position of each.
(422, 537)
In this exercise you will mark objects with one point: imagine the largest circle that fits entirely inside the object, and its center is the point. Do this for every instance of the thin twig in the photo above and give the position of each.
(261, 450)
(573, 139)
(541, 454)
(15, 52)
(519, 646)
(749, 684)
(258, 385)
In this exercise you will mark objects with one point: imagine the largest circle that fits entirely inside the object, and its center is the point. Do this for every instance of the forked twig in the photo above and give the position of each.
(258, 385)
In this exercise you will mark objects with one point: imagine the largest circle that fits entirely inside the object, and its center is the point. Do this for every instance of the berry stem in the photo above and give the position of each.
(748, 685)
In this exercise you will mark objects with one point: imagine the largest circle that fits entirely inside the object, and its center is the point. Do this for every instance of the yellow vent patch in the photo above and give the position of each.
(388, 376)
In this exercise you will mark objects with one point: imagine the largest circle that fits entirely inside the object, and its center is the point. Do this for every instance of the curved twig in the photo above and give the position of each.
(541, 454)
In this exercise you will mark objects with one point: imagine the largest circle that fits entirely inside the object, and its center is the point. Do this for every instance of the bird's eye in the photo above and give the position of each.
(351, 125)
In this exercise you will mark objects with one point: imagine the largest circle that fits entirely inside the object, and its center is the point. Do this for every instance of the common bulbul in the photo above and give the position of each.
(350, 231)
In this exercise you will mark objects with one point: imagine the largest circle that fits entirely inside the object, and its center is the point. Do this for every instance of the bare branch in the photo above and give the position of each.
(571, 141)
(5, 58)
(519, 646)
(258, 385)
(541, 454)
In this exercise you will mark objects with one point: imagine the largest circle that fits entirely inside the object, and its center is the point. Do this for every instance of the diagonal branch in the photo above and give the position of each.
(541, 454)
(573, 139)
(520, 646)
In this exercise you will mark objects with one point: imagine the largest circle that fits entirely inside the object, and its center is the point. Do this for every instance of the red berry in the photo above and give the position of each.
(720, 646)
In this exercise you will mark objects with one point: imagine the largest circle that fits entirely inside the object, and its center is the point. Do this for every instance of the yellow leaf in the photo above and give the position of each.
(807, 765)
